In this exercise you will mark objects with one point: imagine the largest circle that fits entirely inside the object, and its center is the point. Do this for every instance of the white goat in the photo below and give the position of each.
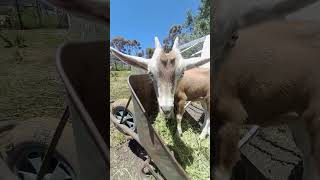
(166, 71)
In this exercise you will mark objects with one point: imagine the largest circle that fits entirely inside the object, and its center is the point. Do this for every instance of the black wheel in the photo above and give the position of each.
(118, 109)
(30, 140)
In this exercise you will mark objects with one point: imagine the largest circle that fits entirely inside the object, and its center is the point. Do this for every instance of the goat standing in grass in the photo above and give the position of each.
(167, 70)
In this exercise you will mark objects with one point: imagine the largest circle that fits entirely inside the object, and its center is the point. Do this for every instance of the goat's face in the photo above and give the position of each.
(165, 70)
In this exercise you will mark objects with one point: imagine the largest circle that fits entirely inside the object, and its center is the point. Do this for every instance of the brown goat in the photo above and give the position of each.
(194, 86)
(273, 69)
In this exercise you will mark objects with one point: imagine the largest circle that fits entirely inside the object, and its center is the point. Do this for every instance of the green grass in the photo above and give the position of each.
(119, 85)
(31, 87)
(119, 89)
(192, 153)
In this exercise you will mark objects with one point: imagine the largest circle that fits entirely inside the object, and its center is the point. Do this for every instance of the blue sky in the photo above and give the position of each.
(144, 19)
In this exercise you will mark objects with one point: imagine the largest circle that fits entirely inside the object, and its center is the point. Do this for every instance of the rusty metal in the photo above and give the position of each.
(82, 68)
(145, 110)
(126, 109)
(53, 144)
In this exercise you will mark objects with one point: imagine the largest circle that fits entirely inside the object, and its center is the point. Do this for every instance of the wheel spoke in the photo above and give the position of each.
(59, 173)
(27, 175)
(120, 113)
(130, 124)
(119, 117)
(36, 163)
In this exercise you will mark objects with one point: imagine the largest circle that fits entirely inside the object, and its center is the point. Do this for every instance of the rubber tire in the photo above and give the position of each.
(121, 103)
(39, 132)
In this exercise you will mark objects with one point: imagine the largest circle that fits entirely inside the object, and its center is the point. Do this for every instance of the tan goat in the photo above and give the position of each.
(272, 70)
(194, 86)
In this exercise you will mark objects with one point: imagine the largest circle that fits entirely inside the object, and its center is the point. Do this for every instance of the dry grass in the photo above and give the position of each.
(192, 153)
(31, 87)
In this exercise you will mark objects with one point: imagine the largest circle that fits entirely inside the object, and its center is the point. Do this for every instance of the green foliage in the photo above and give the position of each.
(149, 52)
(126, 46)
(194, 27)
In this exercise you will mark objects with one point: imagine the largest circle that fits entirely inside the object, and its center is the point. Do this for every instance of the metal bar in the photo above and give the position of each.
(124, 128)
(250, 134)
(155, 175)
(196, 41)
(53, 144)
(187, 104)
(125, 109)
(147, 165)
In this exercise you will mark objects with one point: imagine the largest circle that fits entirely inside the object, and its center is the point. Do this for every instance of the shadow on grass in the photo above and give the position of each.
(182, 152)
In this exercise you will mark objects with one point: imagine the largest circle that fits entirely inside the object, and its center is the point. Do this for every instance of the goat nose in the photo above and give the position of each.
(166, 109)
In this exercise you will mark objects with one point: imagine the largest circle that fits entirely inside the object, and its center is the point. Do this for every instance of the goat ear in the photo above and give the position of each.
(132, 60)
(195, 62)
(176, 43)
(157, 43)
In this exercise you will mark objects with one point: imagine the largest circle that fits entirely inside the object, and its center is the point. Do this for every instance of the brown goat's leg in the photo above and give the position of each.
(206, 122)
(179, 115)
(230, 115)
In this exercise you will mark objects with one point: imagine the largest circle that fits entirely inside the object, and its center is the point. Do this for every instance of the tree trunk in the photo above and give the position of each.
(19, 14)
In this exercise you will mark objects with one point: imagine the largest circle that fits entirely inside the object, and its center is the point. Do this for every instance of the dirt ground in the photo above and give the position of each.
(125, 163)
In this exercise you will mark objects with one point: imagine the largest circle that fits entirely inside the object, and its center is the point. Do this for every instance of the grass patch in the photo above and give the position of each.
(31, 87)
(119, 85)
(116, 138)
(192, 153)
(119, 89)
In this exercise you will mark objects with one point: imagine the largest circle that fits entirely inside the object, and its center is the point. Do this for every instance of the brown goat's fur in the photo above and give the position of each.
(273, 69)
(193, 86)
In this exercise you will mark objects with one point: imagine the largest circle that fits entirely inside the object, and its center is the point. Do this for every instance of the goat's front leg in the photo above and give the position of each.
(206, 123)
(206, 127)
(180, 111)
(229, 115)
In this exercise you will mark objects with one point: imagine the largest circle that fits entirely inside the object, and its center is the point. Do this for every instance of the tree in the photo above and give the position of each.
(132, 47)
(169, 40)
(126, 46)
(149, 52)
(195, 26)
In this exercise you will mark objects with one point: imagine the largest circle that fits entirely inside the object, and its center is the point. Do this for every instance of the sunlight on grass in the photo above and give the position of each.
(192, 153)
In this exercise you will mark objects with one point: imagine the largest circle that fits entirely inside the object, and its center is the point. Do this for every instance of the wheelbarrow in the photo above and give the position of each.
(145, 111)
(46, 148)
